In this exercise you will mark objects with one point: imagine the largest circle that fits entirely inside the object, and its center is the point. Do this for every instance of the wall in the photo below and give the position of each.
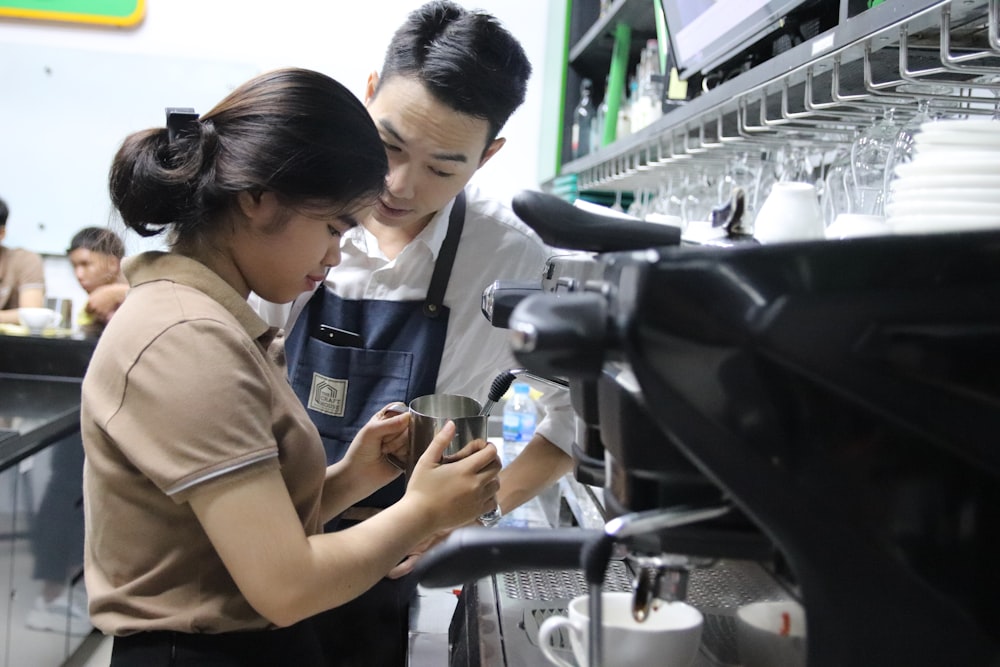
(68, 90)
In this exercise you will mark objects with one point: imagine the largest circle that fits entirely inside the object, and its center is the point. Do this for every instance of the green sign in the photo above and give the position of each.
(107, 12)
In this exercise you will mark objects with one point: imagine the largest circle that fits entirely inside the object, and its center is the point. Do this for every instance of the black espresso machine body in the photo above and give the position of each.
(843, 395)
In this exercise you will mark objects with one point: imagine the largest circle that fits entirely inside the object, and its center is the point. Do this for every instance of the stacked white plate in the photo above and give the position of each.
(952, 183)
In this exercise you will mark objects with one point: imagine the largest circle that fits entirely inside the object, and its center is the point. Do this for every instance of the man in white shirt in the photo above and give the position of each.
(405, 298)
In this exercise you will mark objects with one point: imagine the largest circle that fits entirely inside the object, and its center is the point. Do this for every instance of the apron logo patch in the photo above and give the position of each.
(328, 395)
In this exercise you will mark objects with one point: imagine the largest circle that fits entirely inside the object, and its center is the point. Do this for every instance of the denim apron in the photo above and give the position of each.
(403, 341)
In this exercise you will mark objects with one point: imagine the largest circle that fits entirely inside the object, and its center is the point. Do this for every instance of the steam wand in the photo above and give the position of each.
(502, 382)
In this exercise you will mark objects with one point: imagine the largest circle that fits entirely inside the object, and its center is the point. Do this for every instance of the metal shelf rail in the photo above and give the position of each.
(821, 92)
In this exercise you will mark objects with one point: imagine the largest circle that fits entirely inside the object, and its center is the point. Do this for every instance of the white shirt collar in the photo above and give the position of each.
(432, 236)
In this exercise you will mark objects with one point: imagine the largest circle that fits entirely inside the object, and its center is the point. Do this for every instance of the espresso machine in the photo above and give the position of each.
(827, 408)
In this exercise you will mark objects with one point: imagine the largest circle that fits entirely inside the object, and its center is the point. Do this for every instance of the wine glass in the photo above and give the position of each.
(869, 158)
(835, 195)
(904, 146)
(740, 173)
(617, 206)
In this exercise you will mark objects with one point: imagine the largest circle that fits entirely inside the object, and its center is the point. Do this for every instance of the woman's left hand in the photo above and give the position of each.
(381, 446)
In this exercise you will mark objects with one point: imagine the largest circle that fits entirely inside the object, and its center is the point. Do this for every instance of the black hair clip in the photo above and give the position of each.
(180, 120)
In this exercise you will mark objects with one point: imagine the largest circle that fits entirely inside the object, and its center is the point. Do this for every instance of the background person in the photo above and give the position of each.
(412, 276)
(96, 256)
(22, 276)
(205, 486)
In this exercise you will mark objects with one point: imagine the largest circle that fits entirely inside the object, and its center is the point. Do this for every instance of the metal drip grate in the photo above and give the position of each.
(561, 585)
(730, 585)
(530, 597)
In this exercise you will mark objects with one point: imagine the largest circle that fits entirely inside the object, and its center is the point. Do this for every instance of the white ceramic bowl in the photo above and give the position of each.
(771, 634)
(38, 319)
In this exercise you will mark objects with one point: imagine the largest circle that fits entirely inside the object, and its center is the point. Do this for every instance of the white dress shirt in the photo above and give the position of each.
(495, 245)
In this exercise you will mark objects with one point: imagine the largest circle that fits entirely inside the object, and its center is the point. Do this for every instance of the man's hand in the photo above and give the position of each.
(105, 300)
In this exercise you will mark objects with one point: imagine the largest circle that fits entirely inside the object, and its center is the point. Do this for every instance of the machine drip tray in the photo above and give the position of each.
(525, 599)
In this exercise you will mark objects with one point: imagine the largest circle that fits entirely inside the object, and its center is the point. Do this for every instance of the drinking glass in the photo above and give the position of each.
(869, 159)
(835, 197)
(904, 146)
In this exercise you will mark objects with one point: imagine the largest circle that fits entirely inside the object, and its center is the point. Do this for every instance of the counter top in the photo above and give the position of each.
(40, 379)
(35, 411)
(45, 355)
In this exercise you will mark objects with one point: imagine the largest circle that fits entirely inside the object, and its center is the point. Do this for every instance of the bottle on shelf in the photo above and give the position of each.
(625, 109)
(583, 121)
(647, 106)
(519, 416)
(597, 134)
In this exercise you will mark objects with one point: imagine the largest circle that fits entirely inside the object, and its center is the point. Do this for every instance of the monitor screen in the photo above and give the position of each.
(706, 33)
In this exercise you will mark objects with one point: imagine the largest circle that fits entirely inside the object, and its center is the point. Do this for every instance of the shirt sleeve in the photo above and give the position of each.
(196, 407)
(32, 269)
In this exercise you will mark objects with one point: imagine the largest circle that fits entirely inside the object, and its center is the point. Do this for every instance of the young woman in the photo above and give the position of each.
(205, 483)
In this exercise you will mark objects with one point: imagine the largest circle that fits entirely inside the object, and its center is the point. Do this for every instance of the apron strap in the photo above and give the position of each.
(446, 258)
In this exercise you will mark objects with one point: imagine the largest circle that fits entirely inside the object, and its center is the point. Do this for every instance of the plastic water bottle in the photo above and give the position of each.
(519, 416)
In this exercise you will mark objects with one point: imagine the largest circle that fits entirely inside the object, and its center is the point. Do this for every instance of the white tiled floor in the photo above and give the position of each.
(95, 652)
(26, 646)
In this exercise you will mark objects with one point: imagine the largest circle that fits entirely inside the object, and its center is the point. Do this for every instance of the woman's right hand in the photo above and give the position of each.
(456, 490)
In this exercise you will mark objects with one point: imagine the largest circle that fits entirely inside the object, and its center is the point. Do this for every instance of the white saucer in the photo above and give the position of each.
(958, 195)
(974, 126)
(945, 181)
(974, 144)
(958, 139)
(934, 224)
(944, 209)
(954, 163)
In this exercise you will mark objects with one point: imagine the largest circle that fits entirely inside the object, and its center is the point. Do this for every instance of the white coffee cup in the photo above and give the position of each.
(38, 319)
(790, 213)
(771, 634)
(669, 637)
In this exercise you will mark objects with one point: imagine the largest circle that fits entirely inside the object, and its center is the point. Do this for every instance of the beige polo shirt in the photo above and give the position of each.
(18, 268)
(180, 395)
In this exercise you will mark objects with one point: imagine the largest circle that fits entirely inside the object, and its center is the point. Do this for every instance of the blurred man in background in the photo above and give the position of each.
(22, 276)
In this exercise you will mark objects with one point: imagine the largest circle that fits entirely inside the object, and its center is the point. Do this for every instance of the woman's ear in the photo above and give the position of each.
(248, 203)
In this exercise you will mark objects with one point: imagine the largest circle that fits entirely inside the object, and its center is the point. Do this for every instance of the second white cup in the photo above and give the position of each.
(790, 213)
(670, 636)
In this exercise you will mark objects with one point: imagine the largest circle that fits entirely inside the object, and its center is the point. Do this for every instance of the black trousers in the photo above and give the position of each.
(57, 534)
(371, 630)
(294, 646)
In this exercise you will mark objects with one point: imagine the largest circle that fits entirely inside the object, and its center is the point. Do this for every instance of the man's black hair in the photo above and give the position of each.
(466, 58)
